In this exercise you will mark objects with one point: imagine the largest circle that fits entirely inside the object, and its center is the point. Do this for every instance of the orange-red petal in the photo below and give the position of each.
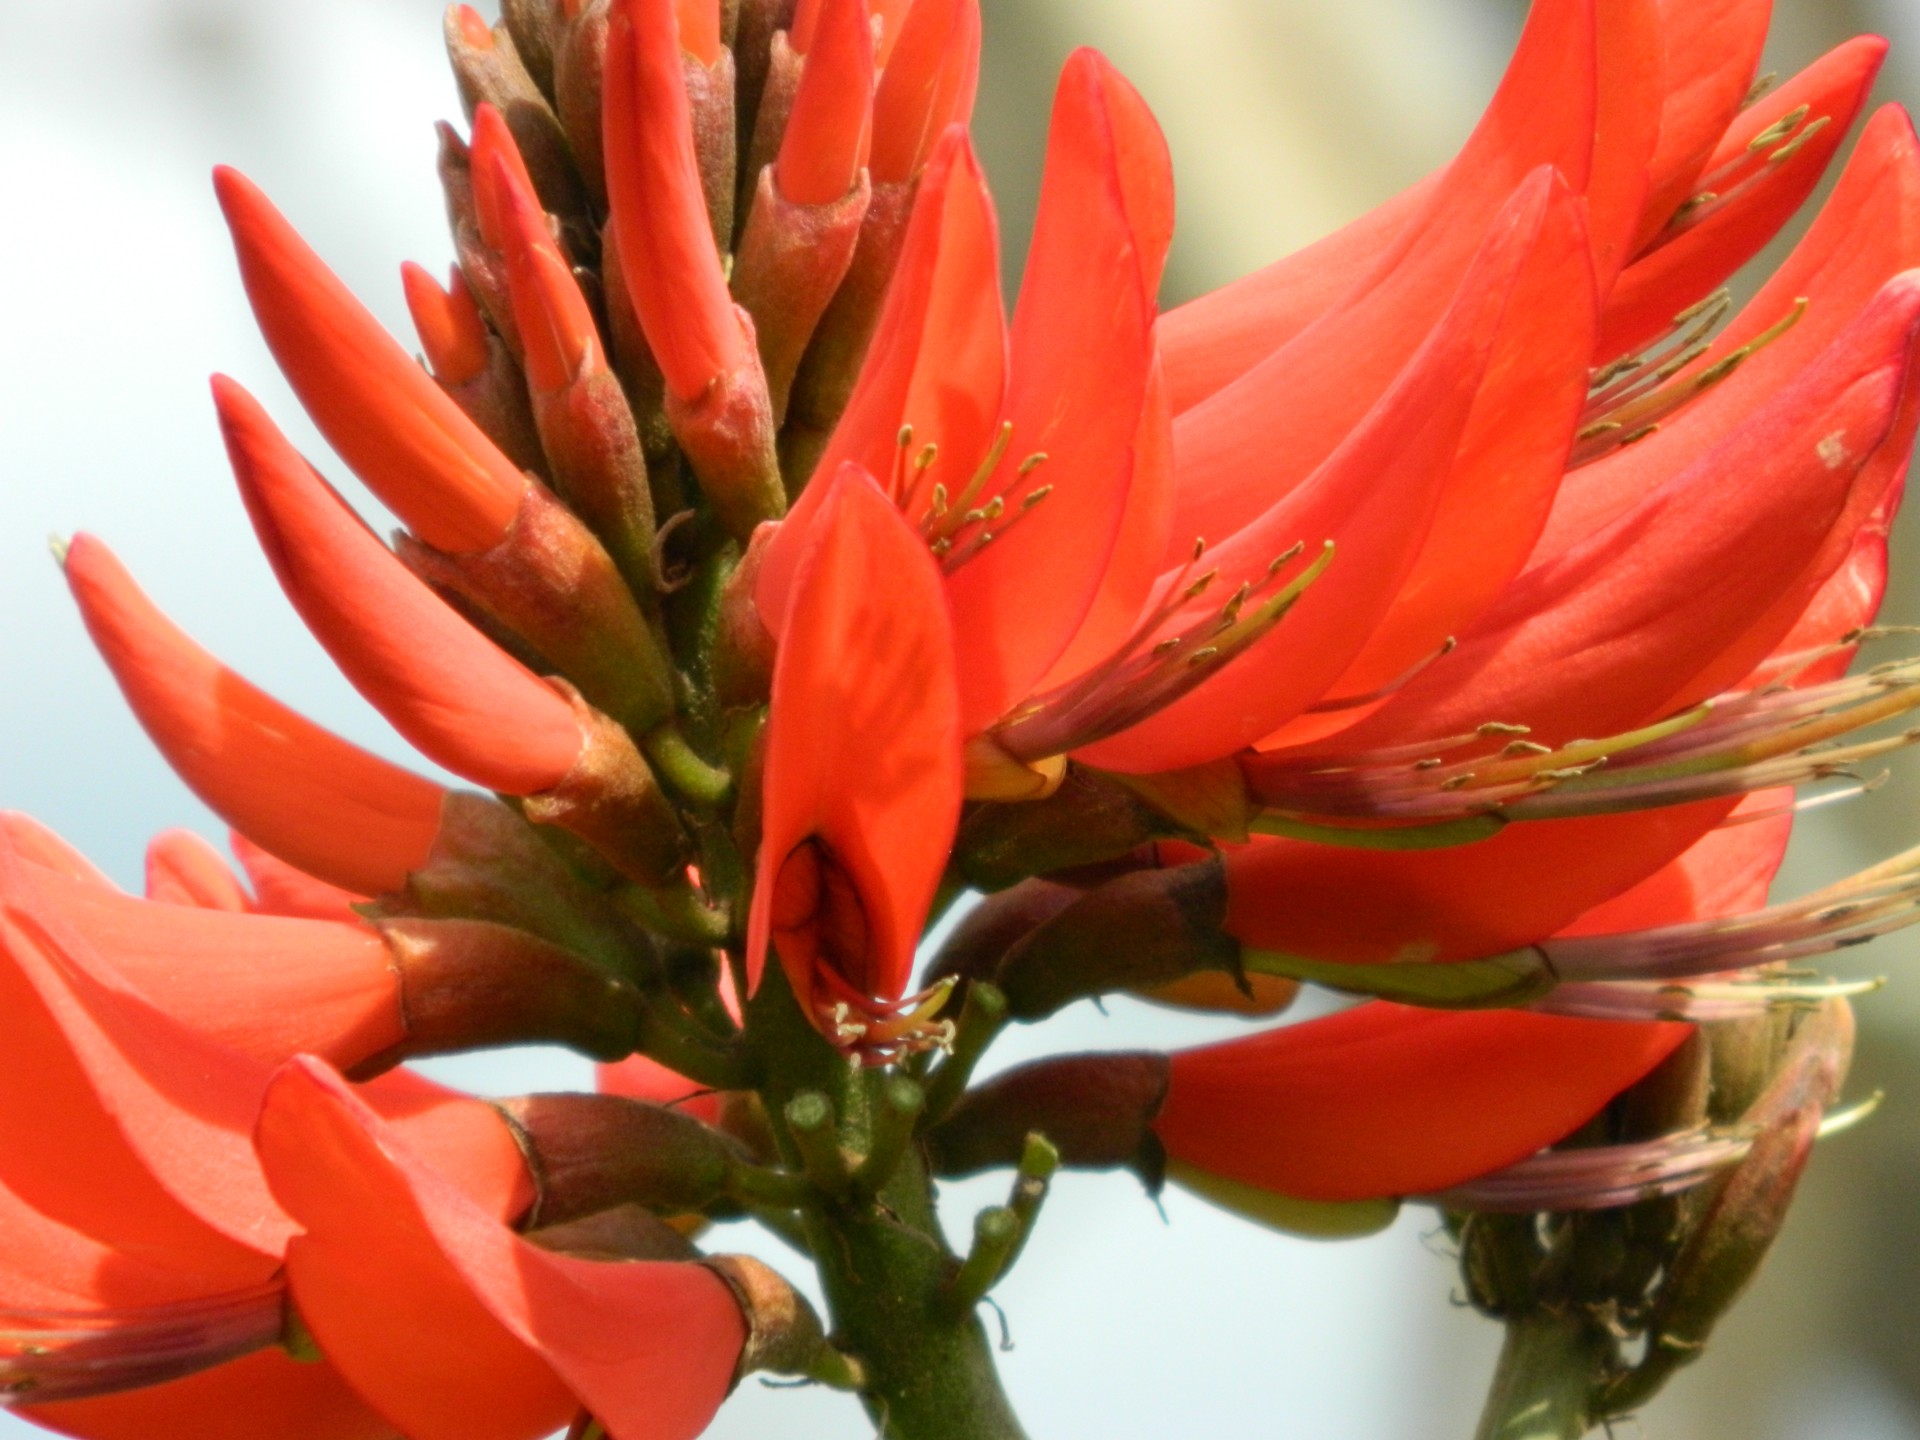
(390, 422)
(1386, 1100)
(453, 1326)
(863, 740)
(300, 791)
(461, 700)
(824, 146)
(665, 241)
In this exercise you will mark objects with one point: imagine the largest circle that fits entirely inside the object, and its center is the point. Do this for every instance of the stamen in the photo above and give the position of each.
(878, 1031)
(1601, 1177)
(1170, 651)
(53, 1355)
(1739, 743)
(1771, 147)
(1743, 999)
(1627, 410)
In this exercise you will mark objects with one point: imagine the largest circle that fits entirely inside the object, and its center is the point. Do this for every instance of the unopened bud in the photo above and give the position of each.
(552, 582)
(611, 800)
(579, 61)
(489, 71)
(784, 1334)
(1096, 1110)
(488, 863)
(1089, 819)
(1735, 1223)
(471, 984)
(1137, 932)
(531, 23)
(977, 945)
(791, 261)
(624, 1232)
(593, 1152)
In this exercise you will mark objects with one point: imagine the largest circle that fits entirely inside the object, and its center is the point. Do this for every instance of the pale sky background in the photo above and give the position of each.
(1285, 117)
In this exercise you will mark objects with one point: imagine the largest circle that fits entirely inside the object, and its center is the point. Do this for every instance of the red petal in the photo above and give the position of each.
(1375, 498)
(393, 426)
(1677, 271)
(825, 143)
(448, 323)
(1662, 608)
(268, 987)
(1370, 907)
(33, 841)
(451, 1324)
(448, 689)
(1867, 233)
(279, 889)
(1725, 872)
(938, 360)
(1081, 355)
(468, 1141)
(183, 869)
(137, 1132)
(310, 797)
(556, 327)
(1385, 1100)
(928, 84)
(1330, 326)
(863, 742)
(665, 241)
(1710, 50)
(267, 1393)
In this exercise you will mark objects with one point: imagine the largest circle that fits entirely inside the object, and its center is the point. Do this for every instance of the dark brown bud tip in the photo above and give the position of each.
(594, 1152)
(1096, 1110)
(469, 984)
(784, 1335)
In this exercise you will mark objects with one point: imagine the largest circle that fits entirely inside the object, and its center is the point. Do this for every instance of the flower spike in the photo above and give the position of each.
(412, 445)
(309, 797)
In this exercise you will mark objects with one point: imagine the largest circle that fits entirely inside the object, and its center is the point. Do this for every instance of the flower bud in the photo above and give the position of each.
(1097, 1110)
(489, 71)
(593, 1152)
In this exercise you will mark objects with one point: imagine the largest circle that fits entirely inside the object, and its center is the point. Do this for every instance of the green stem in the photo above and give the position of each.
(1549, 1368)
(883, 1262)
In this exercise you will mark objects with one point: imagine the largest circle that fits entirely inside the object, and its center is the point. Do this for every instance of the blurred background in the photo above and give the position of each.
(1286, 117)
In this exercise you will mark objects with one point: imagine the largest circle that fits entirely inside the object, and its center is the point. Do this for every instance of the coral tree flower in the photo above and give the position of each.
(862, 784)
(144, 1247)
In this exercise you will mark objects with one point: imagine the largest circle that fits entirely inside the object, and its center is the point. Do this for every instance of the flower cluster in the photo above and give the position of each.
(1442, 616)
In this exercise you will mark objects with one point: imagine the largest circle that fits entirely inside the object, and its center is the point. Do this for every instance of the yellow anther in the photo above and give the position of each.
(1780, 128)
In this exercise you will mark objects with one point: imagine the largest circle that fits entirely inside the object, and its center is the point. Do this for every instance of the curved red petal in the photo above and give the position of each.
(1689, 607)
(1867, 232)
(35, 842)
(311, 798)
(267, 1393)
(824, 147)
(1386, 1100)
(1375, 499)
(665, 240)
(1081, 354)
(390, 422)
(138, 1130)
(267, 986)
(1724, 872)
(928, 84)
(460, 699)
(183, 869)
(1579, 65)
(863, 737)
(1710, 50)
(1689, 259)
(451, 1324)
(938, 361)
(1371, 907)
